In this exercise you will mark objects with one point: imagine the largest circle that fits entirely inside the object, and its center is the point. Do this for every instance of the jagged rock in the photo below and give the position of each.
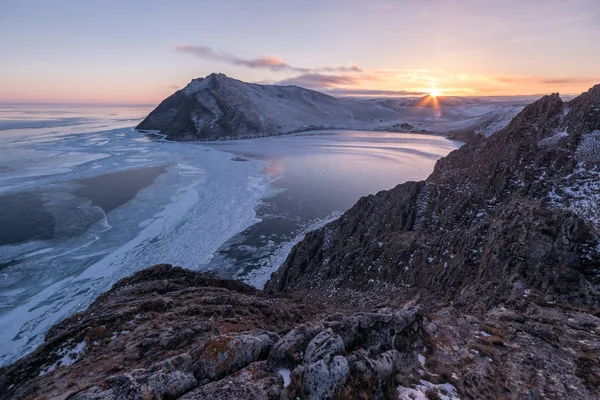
(255, 382)
(289, 350)
(222, 355)
(324, 379)
(323, 346)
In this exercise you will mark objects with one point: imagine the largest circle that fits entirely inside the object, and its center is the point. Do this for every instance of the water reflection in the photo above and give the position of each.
(317, 176)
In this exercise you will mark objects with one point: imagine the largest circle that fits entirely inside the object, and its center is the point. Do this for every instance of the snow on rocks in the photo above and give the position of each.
(589, 147)
(69, 356)
(285, 375)
(552, 140)
(580, 193)
(427, 390)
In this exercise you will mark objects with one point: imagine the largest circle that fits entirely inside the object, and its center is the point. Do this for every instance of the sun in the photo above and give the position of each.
(433, 92)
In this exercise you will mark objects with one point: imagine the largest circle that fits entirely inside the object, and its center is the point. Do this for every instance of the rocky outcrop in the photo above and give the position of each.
(168, 333)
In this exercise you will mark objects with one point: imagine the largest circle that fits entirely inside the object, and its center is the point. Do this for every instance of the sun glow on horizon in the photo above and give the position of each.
(434, 92)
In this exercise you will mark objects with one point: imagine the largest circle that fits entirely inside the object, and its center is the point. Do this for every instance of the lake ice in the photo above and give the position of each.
(85, 201)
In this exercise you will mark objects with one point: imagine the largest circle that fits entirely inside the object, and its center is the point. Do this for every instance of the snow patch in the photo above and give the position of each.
(445, 391)
(286, 375)
(69, 356)
(589, 147)
(552, 140)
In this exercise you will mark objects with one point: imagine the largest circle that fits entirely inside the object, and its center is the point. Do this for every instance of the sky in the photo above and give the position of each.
(130, 51)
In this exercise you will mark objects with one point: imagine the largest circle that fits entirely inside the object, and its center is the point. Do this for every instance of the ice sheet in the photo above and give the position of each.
(201, 200)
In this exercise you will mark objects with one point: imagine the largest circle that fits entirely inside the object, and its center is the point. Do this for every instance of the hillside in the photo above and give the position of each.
(538, 173)
(218, 107)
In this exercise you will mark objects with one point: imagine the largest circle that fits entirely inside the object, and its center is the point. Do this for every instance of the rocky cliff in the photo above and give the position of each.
(515, 212)
(480, 283)
(506, 223)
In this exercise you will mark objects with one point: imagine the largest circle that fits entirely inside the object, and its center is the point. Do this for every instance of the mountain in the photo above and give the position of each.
(218, 107)
(504, 235)
(481, 282)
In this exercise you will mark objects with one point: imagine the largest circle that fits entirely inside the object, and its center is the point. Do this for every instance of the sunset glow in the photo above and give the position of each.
(72, 51)
(433, 92)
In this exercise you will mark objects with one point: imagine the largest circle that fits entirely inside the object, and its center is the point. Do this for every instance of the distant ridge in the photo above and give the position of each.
(218, 107)
(431, 101)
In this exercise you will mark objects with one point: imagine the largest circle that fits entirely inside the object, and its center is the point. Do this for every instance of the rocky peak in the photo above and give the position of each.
(210, 82)
(584, 112)
(536, 119)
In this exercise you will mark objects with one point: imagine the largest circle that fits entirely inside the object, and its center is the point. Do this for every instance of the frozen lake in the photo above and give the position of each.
(85, 200)
(315, 177)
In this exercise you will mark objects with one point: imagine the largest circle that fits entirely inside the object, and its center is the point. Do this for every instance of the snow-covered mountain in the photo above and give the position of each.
(218, 107)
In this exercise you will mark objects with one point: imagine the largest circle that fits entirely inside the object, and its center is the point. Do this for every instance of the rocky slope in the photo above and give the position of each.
(511, 212)
(480, 283)
(503, 225)
(218, 107)
(169, 333)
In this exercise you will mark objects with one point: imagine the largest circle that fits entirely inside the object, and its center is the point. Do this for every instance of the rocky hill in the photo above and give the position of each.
(481, 282)
(218, 107)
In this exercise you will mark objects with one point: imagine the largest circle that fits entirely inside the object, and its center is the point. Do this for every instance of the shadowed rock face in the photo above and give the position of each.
(500, 245)
(497, 217)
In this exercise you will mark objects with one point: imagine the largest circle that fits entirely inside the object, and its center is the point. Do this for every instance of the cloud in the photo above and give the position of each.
(542, 81)
(320, 81)
(351, 68)
(267, 62)
(373, 92)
